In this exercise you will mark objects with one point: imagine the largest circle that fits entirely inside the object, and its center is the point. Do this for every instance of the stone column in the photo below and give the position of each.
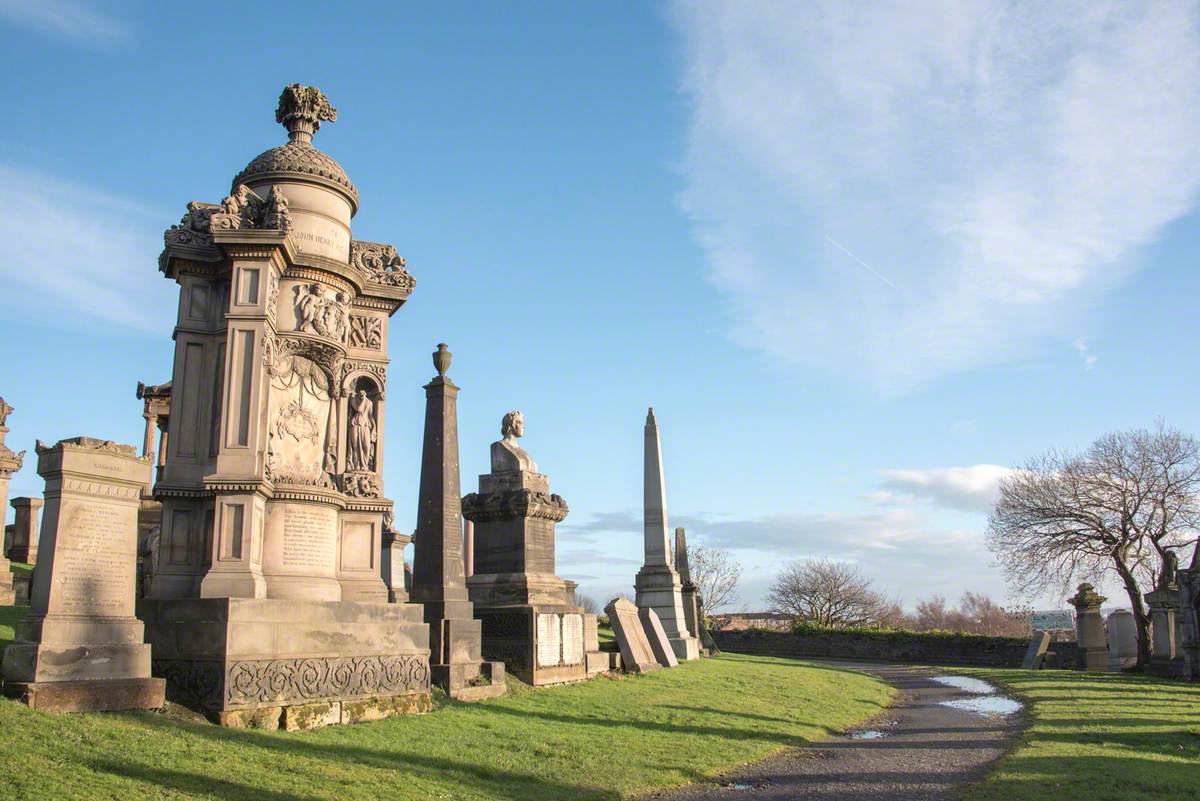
(392, 565)
(657, 584)
(1089, 628)
(80, 648)
(439, 580)
(25, 531)
(10, 463)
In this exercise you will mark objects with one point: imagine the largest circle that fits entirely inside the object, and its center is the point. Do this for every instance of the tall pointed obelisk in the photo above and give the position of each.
(657, 584)
(439, 580)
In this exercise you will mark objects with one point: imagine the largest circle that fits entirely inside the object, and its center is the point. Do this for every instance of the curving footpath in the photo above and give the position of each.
(927, 751)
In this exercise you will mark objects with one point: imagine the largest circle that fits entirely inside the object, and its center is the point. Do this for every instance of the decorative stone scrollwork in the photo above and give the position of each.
(366, 332)
(191, 682)
(515, 503)
(241, 209)
(280, 361)
(282, 680)
(381, 264)
(361, 484)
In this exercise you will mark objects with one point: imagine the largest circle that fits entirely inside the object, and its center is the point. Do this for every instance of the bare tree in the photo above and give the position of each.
(587, 603)
(716, 575)
(1117, 508)
(976, 613)
(827, 593)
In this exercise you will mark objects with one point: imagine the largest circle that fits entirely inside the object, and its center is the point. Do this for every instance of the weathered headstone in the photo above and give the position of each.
(9, 463)
(657, 584)
(25, 530)
(1092, 654)
(1122, 640)
(80, 648)
(1036, 653)
(529, 615)
(439, 580)
(636, 655)
(659, 644)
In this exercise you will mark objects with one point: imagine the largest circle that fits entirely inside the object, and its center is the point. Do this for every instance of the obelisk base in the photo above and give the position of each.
(658, 588)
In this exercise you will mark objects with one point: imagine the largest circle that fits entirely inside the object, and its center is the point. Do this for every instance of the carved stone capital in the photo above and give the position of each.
(484, 507)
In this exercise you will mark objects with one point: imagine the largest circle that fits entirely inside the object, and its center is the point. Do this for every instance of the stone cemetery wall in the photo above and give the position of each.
(914, 647)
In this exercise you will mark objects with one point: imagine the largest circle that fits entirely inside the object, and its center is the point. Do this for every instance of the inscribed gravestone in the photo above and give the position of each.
(656, 635)
(631, 637)
(1036, 652)
(1122, 640)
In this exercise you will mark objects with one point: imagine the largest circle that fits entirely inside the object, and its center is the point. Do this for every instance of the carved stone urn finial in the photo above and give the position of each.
(301, 110)
(441, 359)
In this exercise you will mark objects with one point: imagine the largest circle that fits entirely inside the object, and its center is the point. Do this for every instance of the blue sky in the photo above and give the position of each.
(860, 260)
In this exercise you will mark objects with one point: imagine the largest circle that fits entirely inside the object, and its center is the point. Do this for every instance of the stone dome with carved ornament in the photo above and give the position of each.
(301, 109)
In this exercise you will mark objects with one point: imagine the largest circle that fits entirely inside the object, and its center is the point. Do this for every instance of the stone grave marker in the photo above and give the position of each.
(1036, 654)
(636, 654)
(1122, 640)
(656, 635)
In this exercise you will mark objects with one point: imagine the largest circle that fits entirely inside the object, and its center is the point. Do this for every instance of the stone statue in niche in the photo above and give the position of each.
(363, 435)
(317, 313)
(507, 455)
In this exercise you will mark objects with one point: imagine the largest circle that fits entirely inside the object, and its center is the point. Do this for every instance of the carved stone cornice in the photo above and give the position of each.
(381, 265)
(297, 492)
(484, 507)
(333, 280)
(377, 370)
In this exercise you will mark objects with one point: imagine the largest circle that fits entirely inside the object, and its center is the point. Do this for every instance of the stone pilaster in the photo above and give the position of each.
(1089, 629)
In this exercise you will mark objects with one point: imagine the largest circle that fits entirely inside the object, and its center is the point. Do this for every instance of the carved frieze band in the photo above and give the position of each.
(105, 490)
(242, 209)
(517, 503)
(335, 677)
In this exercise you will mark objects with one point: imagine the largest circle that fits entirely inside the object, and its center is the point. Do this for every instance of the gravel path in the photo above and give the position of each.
(927, 751)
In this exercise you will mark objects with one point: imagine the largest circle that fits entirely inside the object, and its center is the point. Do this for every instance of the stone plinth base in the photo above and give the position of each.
(22, 584)
(539, 644)
(472, 681)
(1167, 668)
(658, 588)
(247, 662)
(1092, 660)
(69, 648)
(88, 696)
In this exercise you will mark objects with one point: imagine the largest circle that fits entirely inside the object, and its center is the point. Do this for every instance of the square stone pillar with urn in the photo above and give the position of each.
(267, 603)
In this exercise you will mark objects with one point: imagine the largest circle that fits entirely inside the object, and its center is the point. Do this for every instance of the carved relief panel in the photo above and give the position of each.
(321, 311)
(302, 427)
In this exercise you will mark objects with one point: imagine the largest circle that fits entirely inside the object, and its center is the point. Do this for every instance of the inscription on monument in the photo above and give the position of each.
(572, 639)
(90, 576)
(549, 640)
(308, 536)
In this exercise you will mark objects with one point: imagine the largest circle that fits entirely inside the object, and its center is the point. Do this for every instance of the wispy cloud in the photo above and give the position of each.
(76, 20)
(998, 162)
(1085, 353)
(965, 489)
(83, 250)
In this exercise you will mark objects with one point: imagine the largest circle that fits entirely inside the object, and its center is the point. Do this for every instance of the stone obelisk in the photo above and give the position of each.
(439, 580)
(658, 586)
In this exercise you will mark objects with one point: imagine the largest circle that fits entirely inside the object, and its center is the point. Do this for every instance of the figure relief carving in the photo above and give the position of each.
(366, 332)
(323, 313)
(360, 455)
(242, 208)
(381, 264)
(302, 436)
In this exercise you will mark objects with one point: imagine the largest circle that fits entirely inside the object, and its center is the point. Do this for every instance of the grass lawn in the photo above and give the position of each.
(1100, 737)
(604, 739)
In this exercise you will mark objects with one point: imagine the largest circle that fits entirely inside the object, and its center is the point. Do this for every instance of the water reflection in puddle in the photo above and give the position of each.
(743, 786)
(966, 684)
(867, 734)
(985, 705)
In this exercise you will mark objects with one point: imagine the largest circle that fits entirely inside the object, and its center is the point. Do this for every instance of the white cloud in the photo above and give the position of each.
(83, 250)
(1085, 354)
(905, 191)
(967, 489)
(69, 19)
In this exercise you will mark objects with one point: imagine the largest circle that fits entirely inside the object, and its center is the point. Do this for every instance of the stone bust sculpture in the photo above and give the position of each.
(507, 455)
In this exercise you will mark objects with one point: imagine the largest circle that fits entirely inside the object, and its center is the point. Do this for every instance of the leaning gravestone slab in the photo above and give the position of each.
(631, 636)
(656, 635)
(80, 648)
(1036, 654)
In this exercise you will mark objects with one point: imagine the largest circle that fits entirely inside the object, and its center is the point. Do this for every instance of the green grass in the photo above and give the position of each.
(605, 739)
(10, 616)
(1099, 737)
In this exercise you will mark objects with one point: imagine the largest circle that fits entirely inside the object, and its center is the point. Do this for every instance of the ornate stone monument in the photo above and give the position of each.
(9, 463)
(1089, 627)
(267, 593)
(439, 581)
(25, 529)
(529, 616)
(636, 654)
(80, 648)
(658, 585)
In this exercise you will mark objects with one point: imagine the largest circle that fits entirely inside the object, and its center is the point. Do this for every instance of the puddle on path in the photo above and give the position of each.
(966, 684)
(744, 786)
(867, 734)
(985, 705)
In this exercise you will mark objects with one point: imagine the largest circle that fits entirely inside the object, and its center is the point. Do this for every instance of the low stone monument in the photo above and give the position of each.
(660, 646)
(1035, 655)
(9, 463)
(1092, 654)
(439, 582)
(1122, 640)
(636, 654)
(24, 546)
(530, 619)
(657, 584)
(80, 648)
(267, 606)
